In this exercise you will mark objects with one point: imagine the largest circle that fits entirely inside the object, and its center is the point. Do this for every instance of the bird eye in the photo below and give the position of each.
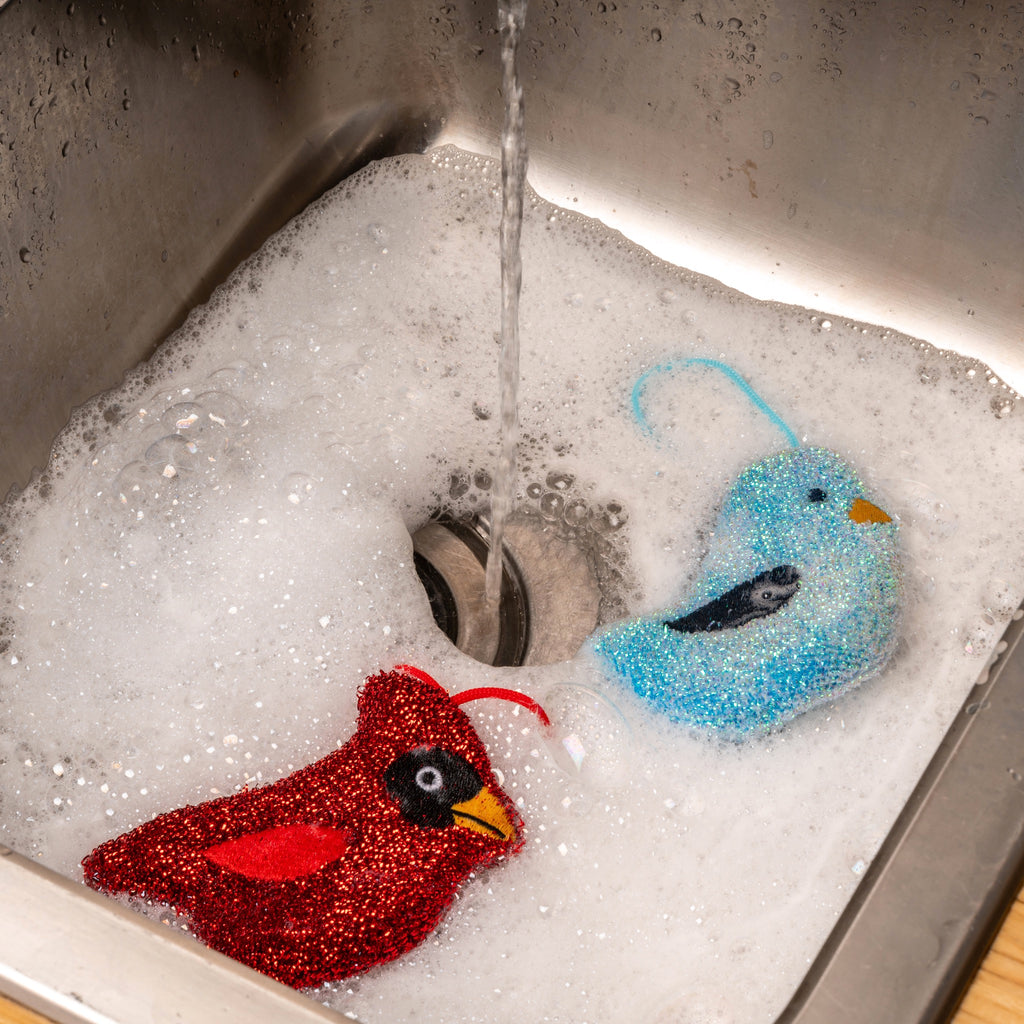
(428, 782)
(816, 494)
(429, 779)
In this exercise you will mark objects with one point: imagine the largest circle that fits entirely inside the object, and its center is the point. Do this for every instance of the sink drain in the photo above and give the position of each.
(451, 560)
(550, 599)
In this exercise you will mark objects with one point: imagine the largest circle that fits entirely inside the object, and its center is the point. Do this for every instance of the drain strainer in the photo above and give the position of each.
(451, 559)
(550, 600)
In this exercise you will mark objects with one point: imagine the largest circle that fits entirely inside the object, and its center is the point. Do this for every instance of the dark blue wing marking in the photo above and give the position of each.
(763, 595)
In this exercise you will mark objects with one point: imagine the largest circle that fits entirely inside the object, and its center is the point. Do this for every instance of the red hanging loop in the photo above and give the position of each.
(503, 694)
(480, 692)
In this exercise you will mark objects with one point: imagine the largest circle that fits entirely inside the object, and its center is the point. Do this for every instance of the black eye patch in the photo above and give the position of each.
(816, 495)
(428, 782)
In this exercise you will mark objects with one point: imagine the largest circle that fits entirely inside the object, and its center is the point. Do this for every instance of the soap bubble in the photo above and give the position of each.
(551, 505)
(458, 484)
(137, 487)
(232, 375)
(298, 488)
(221, 409)
(611, 518)
(927, 512)
(173, 455)
(559, 481)
(184, 417)
(980, 637)
(576, 512)
(999, 599)
(590, 738)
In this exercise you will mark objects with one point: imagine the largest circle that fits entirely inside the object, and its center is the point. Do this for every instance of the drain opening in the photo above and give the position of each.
(451, 557)
(440, 596)
(565, 568)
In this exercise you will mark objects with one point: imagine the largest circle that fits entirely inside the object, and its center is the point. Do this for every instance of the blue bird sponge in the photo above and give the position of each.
(798, 599)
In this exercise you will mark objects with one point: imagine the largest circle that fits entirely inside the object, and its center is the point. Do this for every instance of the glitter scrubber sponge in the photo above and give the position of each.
(798, 599)
(342, 865)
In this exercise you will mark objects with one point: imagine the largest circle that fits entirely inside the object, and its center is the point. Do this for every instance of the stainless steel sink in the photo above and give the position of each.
(866, 159)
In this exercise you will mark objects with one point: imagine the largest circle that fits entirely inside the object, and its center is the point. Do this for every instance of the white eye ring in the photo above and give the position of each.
(429, 779)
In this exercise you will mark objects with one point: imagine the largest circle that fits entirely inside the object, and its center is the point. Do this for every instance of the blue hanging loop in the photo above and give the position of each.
(755, 399)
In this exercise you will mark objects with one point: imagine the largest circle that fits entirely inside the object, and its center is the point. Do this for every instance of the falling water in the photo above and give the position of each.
(512, 17)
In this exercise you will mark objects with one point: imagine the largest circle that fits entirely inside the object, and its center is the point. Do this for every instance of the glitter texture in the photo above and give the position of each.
(321, 874)
(802, 516)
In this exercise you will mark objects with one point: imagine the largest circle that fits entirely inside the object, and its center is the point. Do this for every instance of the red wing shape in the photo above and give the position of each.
(281, 853)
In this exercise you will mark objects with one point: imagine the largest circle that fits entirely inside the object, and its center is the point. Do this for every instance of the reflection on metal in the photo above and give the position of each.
(80, 958)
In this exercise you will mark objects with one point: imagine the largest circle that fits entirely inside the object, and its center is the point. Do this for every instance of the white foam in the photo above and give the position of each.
(219, 553)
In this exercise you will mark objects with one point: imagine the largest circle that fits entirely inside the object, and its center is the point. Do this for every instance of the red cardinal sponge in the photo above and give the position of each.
(343, 865)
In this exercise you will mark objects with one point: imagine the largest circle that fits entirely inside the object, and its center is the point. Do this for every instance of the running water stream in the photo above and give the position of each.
(512, 17)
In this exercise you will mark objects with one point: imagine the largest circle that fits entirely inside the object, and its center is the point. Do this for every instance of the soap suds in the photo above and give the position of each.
(220, 552)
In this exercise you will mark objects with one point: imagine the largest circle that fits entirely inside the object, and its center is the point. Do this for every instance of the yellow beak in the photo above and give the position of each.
(485, 814)
(862, 511)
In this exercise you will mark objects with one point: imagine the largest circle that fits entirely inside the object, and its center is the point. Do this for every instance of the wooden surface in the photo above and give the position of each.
(996, 997)
(12, 1013)
(997, 994)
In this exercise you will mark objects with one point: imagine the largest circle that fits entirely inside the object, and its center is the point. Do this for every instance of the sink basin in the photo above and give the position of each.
(860, 160)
